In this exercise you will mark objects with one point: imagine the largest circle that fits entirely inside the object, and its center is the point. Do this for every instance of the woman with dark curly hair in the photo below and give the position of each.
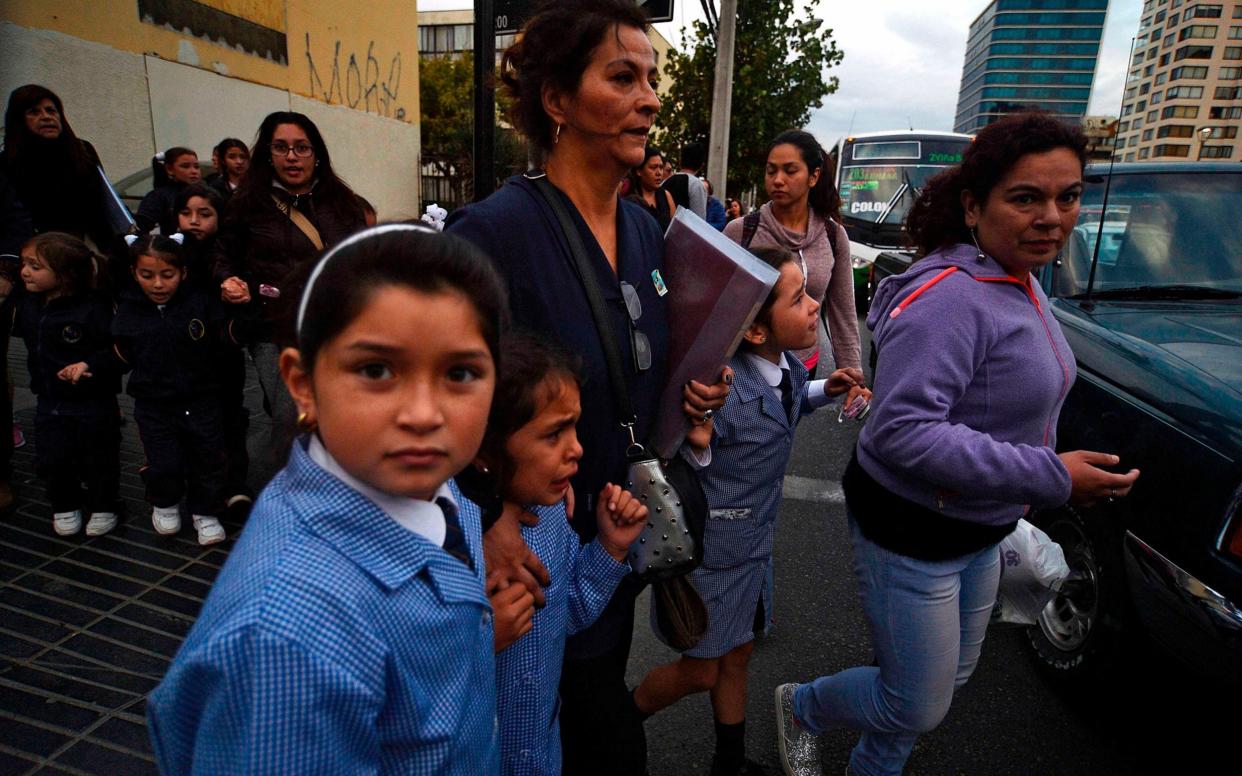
(582, 76)
(971, 376)
(54, 172)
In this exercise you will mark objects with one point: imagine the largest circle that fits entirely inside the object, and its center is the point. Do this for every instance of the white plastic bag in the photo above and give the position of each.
(1032, 570)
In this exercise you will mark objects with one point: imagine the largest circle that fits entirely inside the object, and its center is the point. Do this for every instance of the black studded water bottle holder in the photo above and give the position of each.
(666, 547)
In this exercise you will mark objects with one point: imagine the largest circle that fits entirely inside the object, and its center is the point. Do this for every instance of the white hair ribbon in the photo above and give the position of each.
(365, 234)
(177, 237)
(130, 239)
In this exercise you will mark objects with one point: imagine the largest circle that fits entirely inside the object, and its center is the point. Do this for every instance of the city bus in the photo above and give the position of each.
(878, 175)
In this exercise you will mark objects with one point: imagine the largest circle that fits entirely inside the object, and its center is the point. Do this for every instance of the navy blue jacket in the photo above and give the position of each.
(65, 331)
(517, 228)
(172, 351)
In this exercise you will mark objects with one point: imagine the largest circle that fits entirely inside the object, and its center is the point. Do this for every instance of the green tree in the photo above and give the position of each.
(780, 74)
(446, 97)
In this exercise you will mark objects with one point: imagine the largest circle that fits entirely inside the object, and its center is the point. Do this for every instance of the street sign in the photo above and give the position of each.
(510, 15)
(658, 10)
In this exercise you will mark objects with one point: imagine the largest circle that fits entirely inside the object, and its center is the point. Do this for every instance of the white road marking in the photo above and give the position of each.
(811, 489)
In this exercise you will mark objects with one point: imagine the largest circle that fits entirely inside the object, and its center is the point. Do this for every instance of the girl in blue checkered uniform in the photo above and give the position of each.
(753, 436)
(531, 450)
(349, 630)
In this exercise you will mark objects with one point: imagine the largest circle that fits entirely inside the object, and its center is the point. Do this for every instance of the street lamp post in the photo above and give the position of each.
(1204, 134)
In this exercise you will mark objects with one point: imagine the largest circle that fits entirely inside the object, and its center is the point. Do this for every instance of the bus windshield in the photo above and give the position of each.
(879, 176)
(868, 190)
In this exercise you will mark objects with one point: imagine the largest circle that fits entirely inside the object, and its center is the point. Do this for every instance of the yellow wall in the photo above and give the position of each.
(360, 55)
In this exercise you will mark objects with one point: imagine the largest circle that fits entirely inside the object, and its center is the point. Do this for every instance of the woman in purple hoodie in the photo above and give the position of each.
(971, 376)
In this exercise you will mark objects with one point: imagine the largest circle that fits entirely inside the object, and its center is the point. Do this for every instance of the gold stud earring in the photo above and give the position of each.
(305, 423)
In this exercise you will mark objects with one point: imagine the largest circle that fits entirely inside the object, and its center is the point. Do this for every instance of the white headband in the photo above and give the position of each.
(365, 234)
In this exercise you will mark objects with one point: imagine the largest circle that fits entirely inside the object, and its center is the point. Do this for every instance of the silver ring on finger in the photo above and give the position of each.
(1112, 494)
(707, 415)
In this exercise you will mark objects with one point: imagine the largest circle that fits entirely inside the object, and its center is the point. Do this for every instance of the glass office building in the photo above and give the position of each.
(1030, 54)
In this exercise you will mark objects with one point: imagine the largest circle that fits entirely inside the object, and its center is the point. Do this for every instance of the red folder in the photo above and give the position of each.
(715, 290)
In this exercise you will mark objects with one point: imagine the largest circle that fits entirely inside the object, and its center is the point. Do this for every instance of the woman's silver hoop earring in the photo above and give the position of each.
(973, 238)
(556, 137)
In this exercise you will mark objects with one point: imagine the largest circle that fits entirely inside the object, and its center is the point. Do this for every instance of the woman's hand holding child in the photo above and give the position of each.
(235, 291)
(620, 517)
(74, 372)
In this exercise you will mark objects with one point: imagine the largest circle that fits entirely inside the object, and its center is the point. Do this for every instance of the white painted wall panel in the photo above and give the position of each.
(197, 108)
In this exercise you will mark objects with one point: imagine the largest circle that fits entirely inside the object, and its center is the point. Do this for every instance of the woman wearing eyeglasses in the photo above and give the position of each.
(289, 208)
(582, 78)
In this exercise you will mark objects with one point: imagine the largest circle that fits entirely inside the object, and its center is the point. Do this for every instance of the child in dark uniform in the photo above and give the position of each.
(752, 440)
(168, 336)
(66, 325)
(199, 211)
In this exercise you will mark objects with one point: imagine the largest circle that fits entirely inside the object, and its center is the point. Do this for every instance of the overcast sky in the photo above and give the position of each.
(903, 60)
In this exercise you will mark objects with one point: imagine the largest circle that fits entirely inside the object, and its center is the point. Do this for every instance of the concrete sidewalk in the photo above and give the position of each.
(88, 626)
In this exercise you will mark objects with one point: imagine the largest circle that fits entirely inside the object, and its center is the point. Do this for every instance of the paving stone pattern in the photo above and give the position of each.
(88, 626)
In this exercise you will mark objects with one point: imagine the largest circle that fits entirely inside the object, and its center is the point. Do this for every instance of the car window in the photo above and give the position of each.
(1161, 229)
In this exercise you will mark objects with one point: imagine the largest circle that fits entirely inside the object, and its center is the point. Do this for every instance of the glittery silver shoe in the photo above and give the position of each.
(799, 749)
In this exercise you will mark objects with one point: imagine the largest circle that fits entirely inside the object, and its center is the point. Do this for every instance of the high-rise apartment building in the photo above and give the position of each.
(1183, 97)
(1030, 54)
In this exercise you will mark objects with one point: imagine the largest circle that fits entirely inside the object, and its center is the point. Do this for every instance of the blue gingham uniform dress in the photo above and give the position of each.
(584, 577)
(334, 641)
(751, 444)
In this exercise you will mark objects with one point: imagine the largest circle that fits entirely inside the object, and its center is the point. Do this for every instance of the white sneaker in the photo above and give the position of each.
(67, 523)
(100, 523)
(799, 750)
(166, 520)
(209, 529)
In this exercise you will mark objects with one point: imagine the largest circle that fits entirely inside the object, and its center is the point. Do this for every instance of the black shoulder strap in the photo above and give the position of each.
(586, 275)
(750, 225)
(830, 229)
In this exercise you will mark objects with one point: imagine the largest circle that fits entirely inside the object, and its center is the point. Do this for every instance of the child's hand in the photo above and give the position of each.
(235, 291)
(857, 391)
(74, 372)
(848, 379)
(513, 608)
(700, 435)
(620, 517)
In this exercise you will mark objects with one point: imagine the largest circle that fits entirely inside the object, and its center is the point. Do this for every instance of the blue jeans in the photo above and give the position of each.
(928, 620)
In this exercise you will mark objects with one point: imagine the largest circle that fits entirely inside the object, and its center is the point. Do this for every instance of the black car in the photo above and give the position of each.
(1148, 292)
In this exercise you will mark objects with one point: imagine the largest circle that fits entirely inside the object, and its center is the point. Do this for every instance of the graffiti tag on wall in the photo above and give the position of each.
(359, 83)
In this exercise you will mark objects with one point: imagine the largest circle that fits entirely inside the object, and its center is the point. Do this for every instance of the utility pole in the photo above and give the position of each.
(484, 98)
(722, 98)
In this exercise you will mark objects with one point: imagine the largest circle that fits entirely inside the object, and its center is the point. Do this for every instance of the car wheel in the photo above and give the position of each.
(1077, 632)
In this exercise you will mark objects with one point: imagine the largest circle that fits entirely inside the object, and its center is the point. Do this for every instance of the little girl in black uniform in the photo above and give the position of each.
(66, 324)
(200, 209)
(168, 336)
